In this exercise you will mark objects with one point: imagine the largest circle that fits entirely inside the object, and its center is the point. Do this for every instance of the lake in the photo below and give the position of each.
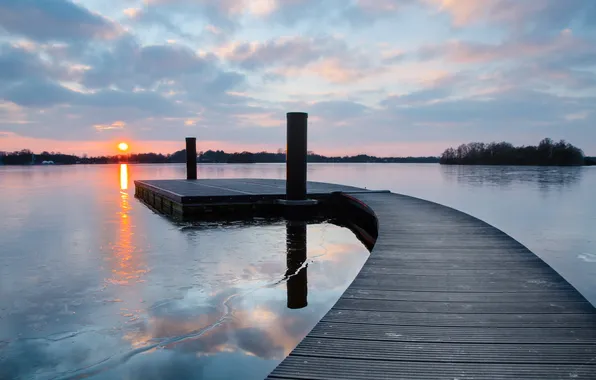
(93, 283)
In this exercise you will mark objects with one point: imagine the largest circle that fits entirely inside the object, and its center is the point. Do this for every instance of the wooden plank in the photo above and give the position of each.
(579, 321)
(324, 368)
(410, 306)
(447, 283)
(446, 353)
(487, 334)
(477, 297)
(453, 264)
(507, 270)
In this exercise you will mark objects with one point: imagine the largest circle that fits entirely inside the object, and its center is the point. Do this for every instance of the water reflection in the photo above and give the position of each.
(253, 325)
(126, 266)
(543, 178)
(296, 274)
(123, 177)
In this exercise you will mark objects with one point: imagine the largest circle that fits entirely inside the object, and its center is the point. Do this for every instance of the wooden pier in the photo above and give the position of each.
(443, 295)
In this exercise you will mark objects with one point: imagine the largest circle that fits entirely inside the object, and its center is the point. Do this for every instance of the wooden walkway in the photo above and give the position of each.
(446, 296)
(443, 295)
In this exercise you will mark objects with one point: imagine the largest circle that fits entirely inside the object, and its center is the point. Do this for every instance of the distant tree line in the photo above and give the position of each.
(220, 156)
(547, 153)
(27, 157)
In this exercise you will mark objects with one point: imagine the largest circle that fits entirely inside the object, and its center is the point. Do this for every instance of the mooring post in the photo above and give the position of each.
(191, 158)
(296, 156)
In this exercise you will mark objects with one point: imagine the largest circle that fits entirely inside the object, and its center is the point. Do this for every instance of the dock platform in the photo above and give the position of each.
(443, 295)
(195, 198)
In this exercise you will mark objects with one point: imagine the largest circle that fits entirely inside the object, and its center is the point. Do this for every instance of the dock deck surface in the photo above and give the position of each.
(443, 295)
(197, 191)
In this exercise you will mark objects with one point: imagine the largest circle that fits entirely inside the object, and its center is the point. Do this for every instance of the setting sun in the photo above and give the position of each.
(123, 146)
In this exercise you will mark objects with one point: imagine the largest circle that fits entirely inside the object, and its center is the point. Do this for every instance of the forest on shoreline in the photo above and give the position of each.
(27, 157)
(546, 153)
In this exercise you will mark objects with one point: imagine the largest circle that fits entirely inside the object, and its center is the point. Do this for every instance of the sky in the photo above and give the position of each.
(382, 77)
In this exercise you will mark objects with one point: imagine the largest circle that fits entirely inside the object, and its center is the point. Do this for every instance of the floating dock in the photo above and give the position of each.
(207, 197)
(443, 295)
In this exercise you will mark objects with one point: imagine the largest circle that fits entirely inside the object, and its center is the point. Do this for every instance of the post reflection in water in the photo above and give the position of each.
(296, 273)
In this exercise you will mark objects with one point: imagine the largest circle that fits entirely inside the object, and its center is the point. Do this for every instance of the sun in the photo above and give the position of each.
(123, 146)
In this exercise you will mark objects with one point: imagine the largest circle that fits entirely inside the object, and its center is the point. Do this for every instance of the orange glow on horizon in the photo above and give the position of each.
(12, 142)
(123, 147)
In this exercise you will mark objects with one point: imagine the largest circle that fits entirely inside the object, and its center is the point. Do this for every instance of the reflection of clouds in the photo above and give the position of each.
(49, 309)
(193, 326)
(334, 252)
(545, 178)
(252, 322)
(268, 330)
(44, 358)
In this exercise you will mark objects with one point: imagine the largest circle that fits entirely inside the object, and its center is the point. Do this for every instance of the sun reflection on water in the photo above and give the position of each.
(127, 267)
(123, 177)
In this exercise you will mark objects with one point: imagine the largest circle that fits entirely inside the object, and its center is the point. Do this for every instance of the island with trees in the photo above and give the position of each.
(547, 153)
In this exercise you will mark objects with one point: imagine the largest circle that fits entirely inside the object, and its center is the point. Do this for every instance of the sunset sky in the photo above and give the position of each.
(384, 77)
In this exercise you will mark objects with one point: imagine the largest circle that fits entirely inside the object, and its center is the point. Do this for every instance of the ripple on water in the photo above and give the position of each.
(587, 257)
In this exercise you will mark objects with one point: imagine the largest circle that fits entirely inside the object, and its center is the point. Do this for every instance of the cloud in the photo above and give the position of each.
(505, 110)
(132, 12)
(521, 16)
(17, 62)
(44, 94)
(290, 52)
(130, 65)
(517, 49)
(418, 97)
(171, 70)
(172, 14)
(287, 52)
(326, 57)
(317, 14)
(54, 20)
(38, 93)
(107, 127)
(230, 15)
(337, 110)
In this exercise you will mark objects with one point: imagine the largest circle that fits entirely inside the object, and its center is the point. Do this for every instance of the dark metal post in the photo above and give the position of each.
(296, 156)
(297, 286)
(191, 158)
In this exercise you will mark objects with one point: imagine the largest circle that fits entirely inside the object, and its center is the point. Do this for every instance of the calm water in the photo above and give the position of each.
(92, 281)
